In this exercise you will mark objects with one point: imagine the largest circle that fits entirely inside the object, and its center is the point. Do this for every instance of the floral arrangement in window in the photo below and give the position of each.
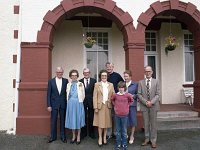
(170, 44)
(89, 42)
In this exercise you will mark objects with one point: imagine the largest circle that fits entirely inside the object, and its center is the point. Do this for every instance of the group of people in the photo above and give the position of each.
(110, 105)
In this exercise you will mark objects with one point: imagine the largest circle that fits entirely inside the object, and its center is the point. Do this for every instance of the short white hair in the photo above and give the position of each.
(59, 68)
(86, 70)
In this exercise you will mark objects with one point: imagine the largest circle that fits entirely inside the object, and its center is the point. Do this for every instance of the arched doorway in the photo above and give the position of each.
(36, 59)
(186, 16)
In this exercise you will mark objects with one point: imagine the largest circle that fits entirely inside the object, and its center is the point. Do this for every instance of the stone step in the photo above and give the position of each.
(178, 123)
(177, 114)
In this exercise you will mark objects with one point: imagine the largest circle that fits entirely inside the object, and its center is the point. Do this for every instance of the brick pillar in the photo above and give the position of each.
(134, 53)
(197, 71)
(33, 117)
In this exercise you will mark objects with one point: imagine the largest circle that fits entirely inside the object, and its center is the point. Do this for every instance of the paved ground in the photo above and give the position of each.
(167, 140)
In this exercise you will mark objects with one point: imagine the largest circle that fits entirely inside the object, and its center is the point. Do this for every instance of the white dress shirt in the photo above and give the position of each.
(105, 91)
(127, 85)
(85, 82)
(59, 84)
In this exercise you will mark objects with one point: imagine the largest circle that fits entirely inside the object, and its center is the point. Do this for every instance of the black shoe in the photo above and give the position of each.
(105, 143)
(72, 141)
(100, 145)
(64, 140)
(50, 141)
(109, 137)
(78, 142)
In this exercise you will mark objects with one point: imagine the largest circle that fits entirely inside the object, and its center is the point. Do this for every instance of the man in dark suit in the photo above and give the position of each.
(149, 95)
(88, 104)
(56, 103)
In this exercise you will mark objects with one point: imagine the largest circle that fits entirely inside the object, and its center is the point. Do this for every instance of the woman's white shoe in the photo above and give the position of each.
(131, 141)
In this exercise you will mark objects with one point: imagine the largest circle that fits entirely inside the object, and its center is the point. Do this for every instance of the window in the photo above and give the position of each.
(97, 56)
(150, 39)
(150, 52)
(189, 57)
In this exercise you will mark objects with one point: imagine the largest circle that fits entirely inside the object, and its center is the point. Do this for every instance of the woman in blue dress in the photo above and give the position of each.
(132, 116)
(75, 115)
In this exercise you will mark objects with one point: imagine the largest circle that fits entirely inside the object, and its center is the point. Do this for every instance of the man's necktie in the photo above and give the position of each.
(148, 90)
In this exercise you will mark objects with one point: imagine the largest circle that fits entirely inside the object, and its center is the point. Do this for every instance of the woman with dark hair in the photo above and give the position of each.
(75, 115)
(103, 92)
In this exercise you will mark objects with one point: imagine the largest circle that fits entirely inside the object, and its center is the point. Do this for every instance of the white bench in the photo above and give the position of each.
(189, 97)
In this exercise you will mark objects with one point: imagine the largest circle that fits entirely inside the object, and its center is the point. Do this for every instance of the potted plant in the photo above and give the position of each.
(170, 43)
(89, 42)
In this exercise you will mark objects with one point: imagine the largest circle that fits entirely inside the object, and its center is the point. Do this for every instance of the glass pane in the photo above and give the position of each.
(153, 35)
(153, 41)
(105, 47)
(153, 48)
(100, 41)
(102, 58)
(99, 34)
(189, 66)
(91, 63)
(186, 42)
(100, 47)
(190, 42)
(105, 34)
(147, 41)
(105, 41)
(147, 48)
(147, 35)
(94, 34)
(185, 36)
(152, 63)
(187, 48)
(190, 36)
(191, 49)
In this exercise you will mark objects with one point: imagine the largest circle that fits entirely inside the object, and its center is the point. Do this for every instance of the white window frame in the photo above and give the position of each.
(108, 30)
(183, 45)
(153, 53)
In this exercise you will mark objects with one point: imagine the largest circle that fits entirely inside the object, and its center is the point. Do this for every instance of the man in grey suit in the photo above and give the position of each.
(149, 94)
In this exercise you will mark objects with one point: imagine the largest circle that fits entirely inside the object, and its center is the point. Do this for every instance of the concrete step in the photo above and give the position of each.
(178, 120)
(177, 114)
(178, 123)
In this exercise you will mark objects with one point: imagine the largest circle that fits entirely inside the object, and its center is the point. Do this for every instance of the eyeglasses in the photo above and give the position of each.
(104, 75)
(74, 75)
(59, 72)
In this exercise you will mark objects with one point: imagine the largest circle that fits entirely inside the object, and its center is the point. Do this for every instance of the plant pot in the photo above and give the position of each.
(170, 47)
(88, 45)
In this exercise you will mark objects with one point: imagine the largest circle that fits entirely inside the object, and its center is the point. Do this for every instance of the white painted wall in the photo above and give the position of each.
(118, 53)
(68, 47)
(172, 69)
(8, 47)
(68, 50)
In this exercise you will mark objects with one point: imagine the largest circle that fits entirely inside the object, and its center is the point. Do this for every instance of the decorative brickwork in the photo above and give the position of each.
(16, 9)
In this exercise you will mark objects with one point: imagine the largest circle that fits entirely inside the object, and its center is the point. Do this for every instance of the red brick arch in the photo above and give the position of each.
(186, 13)
(69, 8)
(156, 8)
